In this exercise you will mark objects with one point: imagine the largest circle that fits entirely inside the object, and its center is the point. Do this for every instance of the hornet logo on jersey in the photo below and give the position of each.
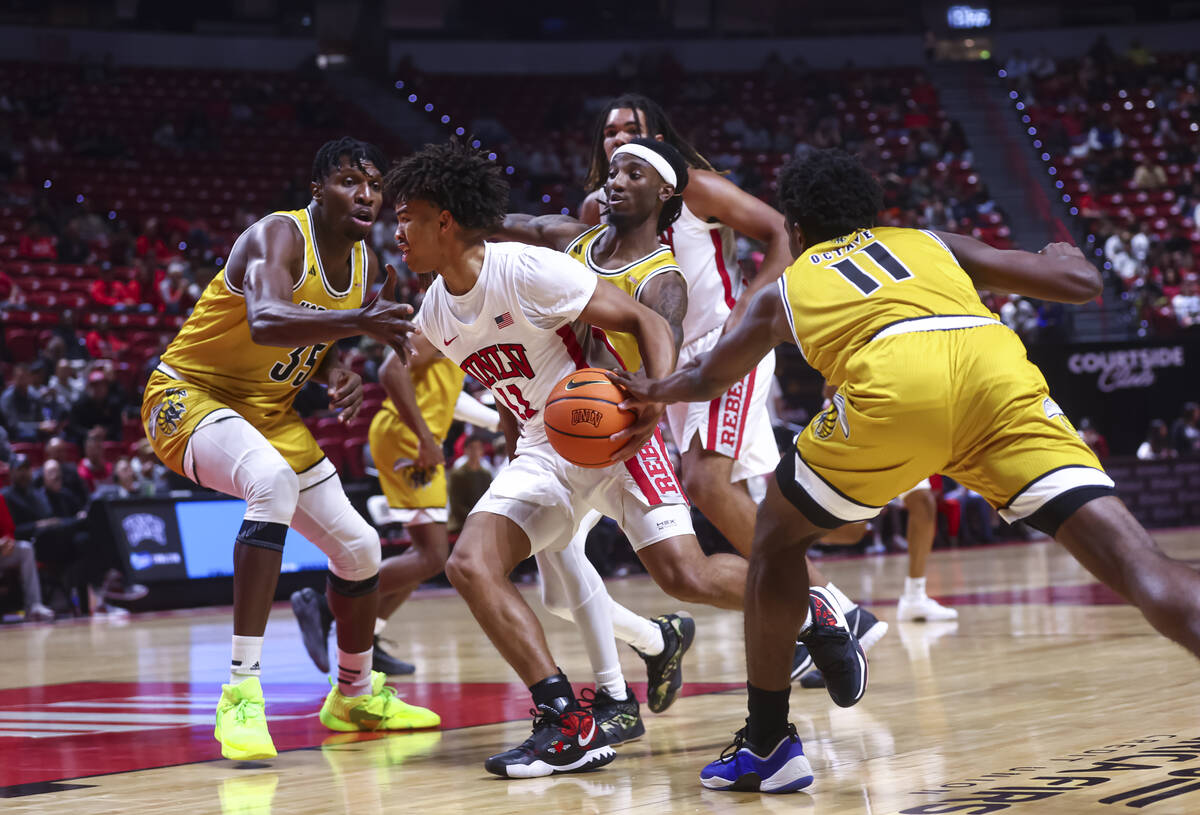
(1053, 411)
(833, 416)
(167, 414)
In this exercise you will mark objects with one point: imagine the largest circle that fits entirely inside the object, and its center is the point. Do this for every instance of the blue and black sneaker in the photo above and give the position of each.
(741, 769)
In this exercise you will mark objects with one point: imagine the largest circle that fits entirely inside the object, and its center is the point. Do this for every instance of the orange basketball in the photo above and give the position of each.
(582, 413)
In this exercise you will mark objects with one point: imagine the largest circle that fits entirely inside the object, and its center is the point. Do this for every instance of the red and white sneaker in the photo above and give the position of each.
(569, 742)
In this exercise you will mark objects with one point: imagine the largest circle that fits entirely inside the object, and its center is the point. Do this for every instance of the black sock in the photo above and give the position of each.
(555, 692)
(768, 719)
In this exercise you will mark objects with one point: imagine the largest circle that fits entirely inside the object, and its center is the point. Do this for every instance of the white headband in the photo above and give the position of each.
(652, 158)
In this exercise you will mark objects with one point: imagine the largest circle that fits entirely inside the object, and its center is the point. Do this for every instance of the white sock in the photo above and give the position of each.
(354, 672)
(380, 624)
(614, 686)
(247, 656)
(914, 588)
(643, 634)
(845, 602)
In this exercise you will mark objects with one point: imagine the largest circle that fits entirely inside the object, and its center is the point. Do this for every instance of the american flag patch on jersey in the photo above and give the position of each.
(504, 320)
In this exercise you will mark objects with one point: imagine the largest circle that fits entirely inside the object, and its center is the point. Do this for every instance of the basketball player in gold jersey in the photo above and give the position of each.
(218, 410)
(729, 440)
(406, 439)
(931, 382)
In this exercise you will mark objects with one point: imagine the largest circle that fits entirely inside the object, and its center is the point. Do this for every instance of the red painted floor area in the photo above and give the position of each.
(82, 729)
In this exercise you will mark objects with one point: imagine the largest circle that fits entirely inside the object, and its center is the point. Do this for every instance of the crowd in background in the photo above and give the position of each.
(69, 428)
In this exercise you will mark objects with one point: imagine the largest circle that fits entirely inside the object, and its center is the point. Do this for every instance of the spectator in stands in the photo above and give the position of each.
(38, 243)
(1104, 135)
(93, 468)
(56, 450)
(173, 290)
(1186, 304)
(150, 244)
(44, 140)
(118, 295)
(372, 352)
(1017, 66)
(125, 483)
(101, 341)
(1021, 315)
(21, 404)
(73, 344)
(1157, 444)
(1149, 176)
(5, 447)
(1139, 54)
(1119, 253)
(98, 407)
(1185, 431)
(150, 470)
(64, 385)
(10, 292)
(467, 482)
(1092, 438)
(18, 556)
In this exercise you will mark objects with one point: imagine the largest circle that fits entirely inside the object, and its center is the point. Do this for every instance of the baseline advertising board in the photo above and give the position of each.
(1121, 387)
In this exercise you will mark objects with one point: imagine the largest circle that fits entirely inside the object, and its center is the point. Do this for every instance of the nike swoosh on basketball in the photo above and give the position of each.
(591, 734)
(452, 339)
(575, 383)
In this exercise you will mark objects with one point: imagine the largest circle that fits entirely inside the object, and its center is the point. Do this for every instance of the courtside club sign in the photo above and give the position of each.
(1131, 368)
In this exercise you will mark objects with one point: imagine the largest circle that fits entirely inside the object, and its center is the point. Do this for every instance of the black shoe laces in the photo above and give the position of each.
(739, 741)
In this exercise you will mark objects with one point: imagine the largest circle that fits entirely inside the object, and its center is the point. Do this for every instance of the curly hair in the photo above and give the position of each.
(657, 123)
(329, 157)
(828, 193)
(456, 178)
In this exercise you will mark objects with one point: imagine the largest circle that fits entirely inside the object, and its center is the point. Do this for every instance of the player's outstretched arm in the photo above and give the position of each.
(735, 355)
(274, 251)
(711, 195)
(1059, 272)
(396, 378)
(551, 231)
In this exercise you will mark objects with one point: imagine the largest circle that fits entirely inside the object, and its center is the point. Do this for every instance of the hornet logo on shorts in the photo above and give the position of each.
(833, 416)
(167, 414)
(1053, 411)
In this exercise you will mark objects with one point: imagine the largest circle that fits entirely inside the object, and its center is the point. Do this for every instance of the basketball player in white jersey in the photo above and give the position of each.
(516, 318)
(728, 441)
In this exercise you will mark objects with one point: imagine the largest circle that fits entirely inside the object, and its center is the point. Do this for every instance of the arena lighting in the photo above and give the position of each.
(1074, 210)
(47, 184)
(112, 215)
(565, 211)
(79, 199)
(475, 143)
(1003, 73)
(491, 156)
(509, 170)
(968, 17)
(399, 84)
(412, 97)
(458, 131)
(545, 199)
(445, 119)
(429, 107)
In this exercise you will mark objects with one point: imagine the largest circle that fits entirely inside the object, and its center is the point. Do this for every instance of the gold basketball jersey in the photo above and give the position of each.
(214, 350)
(841, 293)
(436, 387)
(631, 279)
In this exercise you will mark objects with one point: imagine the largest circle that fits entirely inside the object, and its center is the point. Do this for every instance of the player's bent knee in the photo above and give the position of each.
(463, 571)
(272, 490)
(262, 535)
(358, 556)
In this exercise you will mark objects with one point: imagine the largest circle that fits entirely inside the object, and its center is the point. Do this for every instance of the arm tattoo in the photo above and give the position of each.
(668, 296)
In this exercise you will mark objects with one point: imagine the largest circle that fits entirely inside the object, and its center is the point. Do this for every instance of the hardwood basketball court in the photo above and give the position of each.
(1047, 696)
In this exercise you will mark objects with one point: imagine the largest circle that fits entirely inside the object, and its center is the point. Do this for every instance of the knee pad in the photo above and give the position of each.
(325, 516)
(353, 588)
(263, 534)
(271, 490)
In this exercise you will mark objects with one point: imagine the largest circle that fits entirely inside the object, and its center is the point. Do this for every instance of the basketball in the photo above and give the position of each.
(581, 413)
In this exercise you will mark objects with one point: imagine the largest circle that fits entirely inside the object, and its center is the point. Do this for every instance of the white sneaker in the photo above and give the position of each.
(925, 609)
(39, 613)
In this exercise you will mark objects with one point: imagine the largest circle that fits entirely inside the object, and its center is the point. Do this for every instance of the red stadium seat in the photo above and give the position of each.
(32, 449)
(352, 451)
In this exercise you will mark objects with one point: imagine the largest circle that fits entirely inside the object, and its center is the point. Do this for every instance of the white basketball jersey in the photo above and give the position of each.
(707, 255)
(516, 331)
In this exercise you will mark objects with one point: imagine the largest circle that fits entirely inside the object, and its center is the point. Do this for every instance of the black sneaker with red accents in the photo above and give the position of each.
(568, 742)
(835, 650)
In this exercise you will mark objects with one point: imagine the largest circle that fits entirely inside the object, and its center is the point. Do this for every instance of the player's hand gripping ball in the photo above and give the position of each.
(581, 413)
